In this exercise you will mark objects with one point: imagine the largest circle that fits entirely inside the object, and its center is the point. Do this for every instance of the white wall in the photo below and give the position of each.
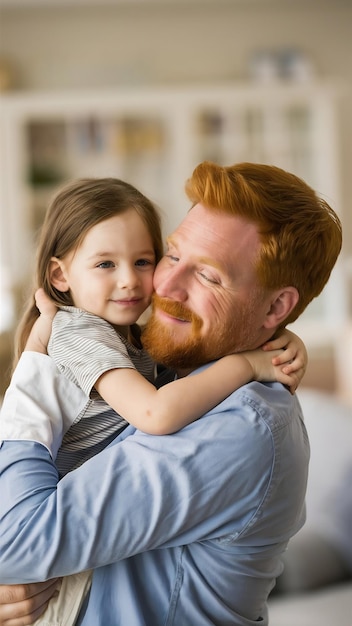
(80, 44)
(66, 44)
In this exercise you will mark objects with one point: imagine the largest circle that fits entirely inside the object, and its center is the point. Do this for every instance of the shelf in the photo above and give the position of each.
(154, 138)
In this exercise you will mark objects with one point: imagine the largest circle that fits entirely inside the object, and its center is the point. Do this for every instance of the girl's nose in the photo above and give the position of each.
(127, 278)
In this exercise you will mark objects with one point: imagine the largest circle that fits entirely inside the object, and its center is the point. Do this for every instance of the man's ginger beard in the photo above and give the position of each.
(164, 347)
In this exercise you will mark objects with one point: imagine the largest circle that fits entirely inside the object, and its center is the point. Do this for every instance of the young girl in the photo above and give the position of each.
(98, 248)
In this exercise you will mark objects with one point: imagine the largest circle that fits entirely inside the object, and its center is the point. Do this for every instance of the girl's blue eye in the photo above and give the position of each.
(105, 264)
(144, 262)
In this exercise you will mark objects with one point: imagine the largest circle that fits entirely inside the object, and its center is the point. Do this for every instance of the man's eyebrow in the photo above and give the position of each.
(170, 241)
(209, 261)
(203, 259)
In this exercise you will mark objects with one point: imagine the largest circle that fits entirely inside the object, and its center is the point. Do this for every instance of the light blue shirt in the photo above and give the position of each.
(181, 530)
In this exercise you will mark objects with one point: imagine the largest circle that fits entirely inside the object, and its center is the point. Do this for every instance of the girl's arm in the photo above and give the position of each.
(182, 401)
(173, 406)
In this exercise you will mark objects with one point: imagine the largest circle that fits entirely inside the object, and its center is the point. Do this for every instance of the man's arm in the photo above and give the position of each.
(139, 494)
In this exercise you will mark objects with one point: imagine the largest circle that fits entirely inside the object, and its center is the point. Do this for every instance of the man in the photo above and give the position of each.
(188, 529)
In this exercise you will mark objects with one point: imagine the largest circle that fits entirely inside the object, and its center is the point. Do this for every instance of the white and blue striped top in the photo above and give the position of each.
(83, 347)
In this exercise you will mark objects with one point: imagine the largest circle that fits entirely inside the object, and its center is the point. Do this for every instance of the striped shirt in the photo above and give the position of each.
(83, 347)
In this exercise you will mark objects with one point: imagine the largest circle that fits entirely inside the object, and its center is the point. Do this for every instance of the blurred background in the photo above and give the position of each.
(144, 90)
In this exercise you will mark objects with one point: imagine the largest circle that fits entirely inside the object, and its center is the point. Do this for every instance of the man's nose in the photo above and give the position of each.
(171, 283)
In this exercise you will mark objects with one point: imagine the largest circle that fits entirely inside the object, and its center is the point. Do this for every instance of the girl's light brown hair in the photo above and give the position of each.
(300, 233)
(74, 210)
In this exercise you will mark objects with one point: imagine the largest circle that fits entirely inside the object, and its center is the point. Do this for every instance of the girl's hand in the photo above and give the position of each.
(41, 330)
(264, 370)
(23, 604)
(283, 359)
(293, 358)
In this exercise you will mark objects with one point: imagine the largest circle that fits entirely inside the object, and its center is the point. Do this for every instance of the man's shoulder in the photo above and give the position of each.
(273, 402)
(256, 416)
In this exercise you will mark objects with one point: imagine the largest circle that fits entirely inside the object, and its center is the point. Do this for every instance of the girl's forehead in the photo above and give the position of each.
(122, 231)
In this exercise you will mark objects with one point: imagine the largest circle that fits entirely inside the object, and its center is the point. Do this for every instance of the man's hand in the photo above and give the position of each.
(23, 604)
(40, 333)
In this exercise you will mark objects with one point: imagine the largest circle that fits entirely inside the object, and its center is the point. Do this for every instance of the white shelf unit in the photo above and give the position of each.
(154, 138)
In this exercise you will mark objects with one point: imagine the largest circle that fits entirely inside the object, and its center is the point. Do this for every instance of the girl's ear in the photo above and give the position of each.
(283, 302)
(57, 275)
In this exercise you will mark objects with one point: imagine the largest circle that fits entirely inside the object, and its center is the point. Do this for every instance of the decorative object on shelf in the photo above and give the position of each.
(288, 64)
(295, 65)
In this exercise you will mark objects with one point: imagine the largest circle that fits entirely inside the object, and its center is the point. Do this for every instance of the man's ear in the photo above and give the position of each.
(281, 305)
(57, 275)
